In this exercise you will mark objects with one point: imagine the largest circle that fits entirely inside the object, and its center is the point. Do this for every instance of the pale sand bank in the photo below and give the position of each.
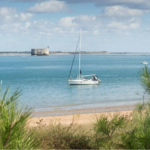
(79, 118)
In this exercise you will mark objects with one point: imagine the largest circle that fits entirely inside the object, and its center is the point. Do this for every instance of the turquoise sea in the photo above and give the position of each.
(43, 80)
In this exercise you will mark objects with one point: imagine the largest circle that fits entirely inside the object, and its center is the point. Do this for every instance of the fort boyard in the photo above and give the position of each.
(40, 51)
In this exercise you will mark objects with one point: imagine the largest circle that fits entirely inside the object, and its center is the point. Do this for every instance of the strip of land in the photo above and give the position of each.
(83, 52)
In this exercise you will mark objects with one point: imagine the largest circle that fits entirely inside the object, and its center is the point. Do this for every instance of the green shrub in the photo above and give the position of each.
(145, 78)
(124, 132)
(108, 131)
(139, 136)
(13, 121)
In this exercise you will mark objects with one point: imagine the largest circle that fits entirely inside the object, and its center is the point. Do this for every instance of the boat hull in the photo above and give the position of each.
(83, 82)
(145, 63)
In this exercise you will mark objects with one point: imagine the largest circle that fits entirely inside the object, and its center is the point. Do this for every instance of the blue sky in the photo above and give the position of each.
(108, 25)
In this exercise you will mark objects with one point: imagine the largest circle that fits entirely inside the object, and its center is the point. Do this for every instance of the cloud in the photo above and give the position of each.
(124, 25)
(122, 18)
(6, 14)
(112, 18)
(137, 4)
(84, 21)
(93, 24)
(9, 14)
(49, 6)
(11, 21)
(25, 16)
(27, 24)
(67, 22)
(115, 17)
(95, 32)
(23, 0)
(121, 12)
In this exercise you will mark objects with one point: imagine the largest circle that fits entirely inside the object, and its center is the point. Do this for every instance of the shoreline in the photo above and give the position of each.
(78, 116)
(83, 111)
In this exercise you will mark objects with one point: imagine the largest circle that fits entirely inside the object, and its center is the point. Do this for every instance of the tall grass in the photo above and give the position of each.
(58, 136)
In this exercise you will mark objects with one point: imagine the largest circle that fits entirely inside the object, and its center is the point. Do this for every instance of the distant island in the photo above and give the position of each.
(70, 52)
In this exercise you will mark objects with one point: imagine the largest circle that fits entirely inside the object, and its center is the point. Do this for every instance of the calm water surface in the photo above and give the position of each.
(44, 85)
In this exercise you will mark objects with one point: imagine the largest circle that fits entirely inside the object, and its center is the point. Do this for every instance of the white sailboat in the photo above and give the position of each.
(83, 79)
(145, 62)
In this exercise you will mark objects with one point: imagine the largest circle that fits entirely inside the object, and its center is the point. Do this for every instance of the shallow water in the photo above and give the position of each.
(44, 85)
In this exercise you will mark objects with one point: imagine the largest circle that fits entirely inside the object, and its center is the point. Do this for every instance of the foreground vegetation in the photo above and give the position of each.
(115, 132)
(14, 133)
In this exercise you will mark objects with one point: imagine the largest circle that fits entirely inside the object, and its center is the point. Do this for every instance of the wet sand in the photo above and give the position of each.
(82, 111)
(78, 116)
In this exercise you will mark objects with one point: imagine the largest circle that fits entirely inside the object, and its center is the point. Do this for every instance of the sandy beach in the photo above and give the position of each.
(75, 116)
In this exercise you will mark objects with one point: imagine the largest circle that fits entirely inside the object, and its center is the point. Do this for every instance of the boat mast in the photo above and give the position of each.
(80, 52)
